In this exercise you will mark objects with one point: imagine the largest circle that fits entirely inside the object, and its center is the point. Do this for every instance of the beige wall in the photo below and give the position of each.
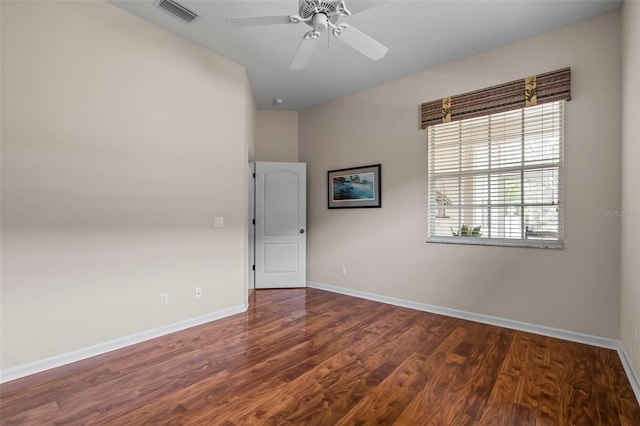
(630, 308)
(384, 249)
(277, 136)
(120, 143)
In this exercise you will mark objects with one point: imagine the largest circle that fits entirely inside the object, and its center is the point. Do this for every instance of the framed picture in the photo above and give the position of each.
(357, 187)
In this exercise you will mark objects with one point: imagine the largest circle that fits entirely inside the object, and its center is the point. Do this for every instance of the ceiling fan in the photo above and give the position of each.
(320, 15)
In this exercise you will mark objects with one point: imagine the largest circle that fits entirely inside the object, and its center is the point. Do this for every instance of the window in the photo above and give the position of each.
(497, 179)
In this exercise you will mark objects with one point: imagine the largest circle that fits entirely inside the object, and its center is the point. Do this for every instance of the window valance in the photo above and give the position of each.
(534, 90)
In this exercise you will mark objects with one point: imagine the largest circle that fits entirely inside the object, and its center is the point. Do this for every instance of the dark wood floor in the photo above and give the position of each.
(311, 357)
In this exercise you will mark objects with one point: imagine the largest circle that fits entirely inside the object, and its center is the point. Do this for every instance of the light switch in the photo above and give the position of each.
(218, 222)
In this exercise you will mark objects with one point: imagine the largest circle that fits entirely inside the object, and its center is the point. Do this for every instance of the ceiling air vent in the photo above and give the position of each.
(177, 10)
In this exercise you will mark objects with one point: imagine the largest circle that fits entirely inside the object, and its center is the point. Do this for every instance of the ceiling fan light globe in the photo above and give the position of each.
(320, 22)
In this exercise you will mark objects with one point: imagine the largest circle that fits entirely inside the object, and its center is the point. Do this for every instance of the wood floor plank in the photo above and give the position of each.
(308, 357)
(373, 364)
(439, 368)
(343, 343)
(282, 365)
(385, 403)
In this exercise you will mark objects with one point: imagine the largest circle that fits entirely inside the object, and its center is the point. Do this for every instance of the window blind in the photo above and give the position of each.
(497, 179)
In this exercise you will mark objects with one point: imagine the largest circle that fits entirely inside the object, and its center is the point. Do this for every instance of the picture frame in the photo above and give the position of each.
(355, 187)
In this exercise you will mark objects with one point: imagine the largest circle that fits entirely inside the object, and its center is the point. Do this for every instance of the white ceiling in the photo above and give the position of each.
(420, 34)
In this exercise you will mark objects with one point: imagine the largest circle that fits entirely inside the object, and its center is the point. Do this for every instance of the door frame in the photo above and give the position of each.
(250, 221)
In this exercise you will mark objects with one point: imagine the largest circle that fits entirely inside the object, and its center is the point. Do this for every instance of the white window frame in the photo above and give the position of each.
(528, 238)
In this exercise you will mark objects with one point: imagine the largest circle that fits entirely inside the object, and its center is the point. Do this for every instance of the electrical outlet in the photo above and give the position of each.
(218, 222)
(198, 292)
(343, 271)
(164, 299)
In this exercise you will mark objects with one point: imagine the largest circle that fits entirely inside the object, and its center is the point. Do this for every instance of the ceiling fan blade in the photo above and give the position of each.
(361, 42)
(305, 49)
(251, 21)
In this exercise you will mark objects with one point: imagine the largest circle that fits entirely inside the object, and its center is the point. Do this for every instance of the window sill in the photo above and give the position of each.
(479, 241)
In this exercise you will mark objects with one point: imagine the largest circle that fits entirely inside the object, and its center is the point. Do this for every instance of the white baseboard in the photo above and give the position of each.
(101, 348)
(632, 374)
(572, 336)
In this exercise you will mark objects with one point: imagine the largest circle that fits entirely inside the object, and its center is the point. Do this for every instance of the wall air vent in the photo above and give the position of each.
(177, 10)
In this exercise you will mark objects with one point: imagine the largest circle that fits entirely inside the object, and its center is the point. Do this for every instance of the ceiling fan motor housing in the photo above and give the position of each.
(319, 12)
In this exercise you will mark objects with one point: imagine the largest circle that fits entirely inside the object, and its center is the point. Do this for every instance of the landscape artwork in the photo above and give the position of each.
(354, 187)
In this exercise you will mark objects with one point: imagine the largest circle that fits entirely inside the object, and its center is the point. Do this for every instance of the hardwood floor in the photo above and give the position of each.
(305, 356)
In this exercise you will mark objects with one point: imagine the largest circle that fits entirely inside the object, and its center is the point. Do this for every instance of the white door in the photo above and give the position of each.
(281, 210)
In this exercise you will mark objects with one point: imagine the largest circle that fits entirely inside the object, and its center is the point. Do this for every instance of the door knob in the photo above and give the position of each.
(302, 231)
